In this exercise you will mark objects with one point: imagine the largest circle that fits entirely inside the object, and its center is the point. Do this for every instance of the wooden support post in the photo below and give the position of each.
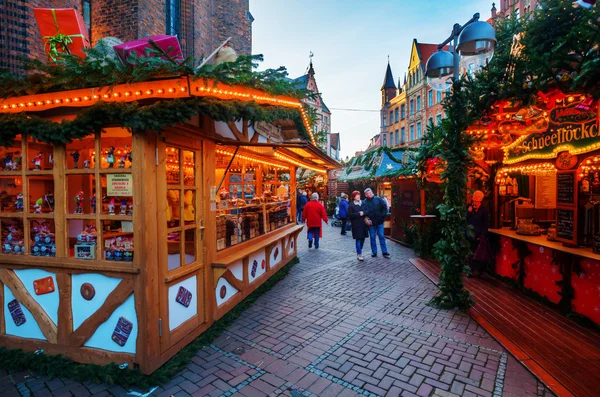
(423, 204)
(65, 313)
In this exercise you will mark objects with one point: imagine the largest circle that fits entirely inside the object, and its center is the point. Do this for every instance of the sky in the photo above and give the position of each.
(351, 41)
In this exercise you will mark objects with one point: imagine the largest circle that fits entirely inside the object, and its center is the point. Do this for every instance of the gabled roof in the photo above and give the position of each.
(426, 51)
(388, 80)
(323, 106)
(335, 140)
(301, 82)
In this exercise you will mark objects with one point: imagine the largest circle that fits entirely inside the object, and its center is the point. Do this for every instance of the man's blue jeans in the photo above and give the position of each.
(374, 232)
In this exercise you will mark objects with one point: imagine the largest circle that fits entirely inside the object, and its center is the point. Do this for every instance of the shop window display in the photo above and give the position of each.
(11, 194)
(181, 213)
(13, 241)
(252, 200)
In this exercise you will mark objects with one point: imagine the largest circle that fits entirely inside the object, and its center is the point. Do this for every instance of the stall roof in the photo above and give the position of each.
(383, 162)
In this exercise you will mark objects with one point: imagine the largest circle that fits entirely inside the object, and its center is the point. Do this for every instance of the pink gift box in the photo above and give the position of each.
(139, 47)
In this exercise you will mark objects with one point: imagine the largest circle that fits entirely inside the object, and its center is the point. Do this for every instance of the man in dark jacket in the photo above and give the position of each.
(300, 203)
(343, 211)
(376, 211)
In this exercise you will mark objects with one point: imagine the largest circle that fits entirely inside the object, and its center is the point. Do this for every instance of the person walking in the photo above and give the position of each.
(357, 211)
(300, 203)
(343, 211)
(478, 216)
(313, 215)
(376, 212)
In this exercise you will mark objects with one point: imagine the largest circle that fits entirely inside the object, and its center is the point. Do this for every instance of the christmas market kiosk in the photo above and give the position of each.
(134, 216)
(546, 197)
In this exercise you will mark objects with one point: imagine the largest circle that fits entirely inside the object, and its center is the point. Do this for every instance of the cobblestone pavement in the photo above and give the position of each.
(335, 327)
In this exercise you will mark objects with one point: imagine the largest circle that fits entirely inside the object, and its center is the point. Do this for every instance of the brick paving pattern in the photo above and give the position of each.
(334, 327)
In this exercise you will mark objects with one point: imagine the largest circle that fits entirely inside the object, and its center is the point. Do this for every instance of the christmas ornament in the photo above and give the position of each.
(122, 331)
(43, 285)
(87, 291)
(225, 54)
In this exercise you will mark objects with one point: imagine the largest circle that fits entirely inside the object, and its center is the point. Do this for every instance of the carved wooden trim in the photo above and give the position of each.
(89, 326)
(65, 313)
(231, 279)
(47, 326)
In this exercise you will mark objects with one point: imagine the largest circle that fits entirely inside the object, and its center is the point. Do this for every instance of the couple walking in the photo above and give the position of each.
(367, 219)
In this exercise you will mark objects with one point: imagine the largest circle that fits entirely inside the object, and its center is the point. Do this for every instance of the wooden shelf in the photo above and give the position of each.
(115, 234)
(10, 173)
(81, 216)
(80, 171)
(106, 217)
(114, 170)
(39, 172)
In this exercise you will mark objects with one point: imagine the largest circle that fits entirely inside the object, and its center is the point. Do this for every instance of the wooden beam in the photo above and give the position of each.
(65, 313)
(47, 326)
(238, 134)
(235, 283)
(89, 326)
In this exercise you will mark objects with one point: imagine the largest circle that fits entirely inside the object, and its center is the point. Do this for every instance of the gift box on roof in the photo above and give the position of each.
(62, 30)
(169, 44)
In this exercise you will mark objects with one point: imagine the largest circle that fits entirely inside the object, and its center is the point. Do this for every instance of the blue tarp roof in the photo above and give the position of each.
(385, 166)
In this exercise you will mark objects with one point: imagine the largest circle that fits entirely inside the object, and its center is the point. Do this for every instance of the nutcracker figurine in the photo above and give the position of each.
(19, 202)
(93, 203)
(130, 210)
(75, 155)
(78, 200)
(38, 205)
(49, 199)
(86, 163)
(110, 157)
(37, 161)
(123, 207)
(111, 207)
(8, 162)
(123, 158)
(16, 165)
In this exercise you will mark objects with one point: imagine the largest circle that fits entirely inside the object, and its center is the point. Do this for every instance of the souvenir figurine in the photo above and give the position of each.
(86, 163)
(78, 200)
(49, 199)
(37, 161)
(110, 157)
(19, 202)
(123, 207)
(75, 155)
(123, 158)
(111, 207)
(130, 210)
(16, 164)
(38, 205)
(8, 162)
(93, 203)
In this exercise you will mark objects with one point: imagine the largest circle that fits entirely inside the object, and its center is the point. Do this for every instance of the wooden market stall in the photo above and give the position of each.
(546, 198)
(124, 247)
(389, 173)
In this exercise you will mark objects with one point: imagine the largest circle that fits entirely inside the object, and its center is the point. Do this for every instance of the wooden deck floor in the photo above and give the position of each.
(562, 354)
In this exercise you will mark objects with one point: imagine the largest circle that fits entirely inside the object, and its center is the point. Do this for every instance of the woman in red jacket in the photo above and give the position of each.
(312, 215)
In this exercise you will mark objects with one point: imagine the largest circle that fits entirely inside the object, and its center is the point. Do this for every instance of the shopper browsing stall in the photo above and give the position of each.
(312, 215)
(343, 211)
(357, 212)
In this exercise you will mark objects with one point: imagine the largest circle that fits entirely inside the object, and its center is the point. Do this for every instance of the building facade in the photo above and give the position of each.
(507, 7)
(331, 143)
(407, 112)
(201, 25)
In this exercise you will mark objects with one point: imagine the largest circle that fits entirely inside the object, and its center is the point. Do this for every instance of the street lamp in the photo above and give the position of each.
(472, 47)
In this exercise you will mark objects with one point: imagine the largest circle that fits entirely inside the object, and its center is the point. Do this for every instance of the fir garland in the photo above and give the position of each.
(139, 118)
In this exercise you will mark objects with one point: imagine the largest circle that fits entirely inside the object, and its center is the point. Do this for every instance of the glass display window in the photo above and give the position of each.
(11, 194)
(43, 237)
(41, 194)
(116, 148)
(82, 239)
(11, 158)
(40, 156)
(81, 194)
(13, 236)
(117, 239)
(81, 153)
(117, 195)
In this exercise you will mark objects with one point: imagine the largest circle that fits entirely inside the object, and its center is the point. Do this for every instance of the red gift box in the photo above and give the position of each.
(63, 31)
(139, 47)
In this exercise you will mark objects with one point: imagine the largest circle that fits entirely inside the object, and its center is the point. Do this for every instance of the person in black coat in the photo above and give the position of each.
(478, 216)
(357, 211)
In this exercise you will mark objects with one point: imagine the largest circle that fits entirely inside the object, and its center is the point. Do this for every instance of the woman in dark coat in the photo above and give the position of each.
(357, 212)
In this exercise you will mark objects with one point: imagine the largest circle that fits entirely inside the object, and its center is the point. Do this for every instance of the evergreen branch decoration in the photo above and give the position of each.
(101, 69)
(139, 118)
